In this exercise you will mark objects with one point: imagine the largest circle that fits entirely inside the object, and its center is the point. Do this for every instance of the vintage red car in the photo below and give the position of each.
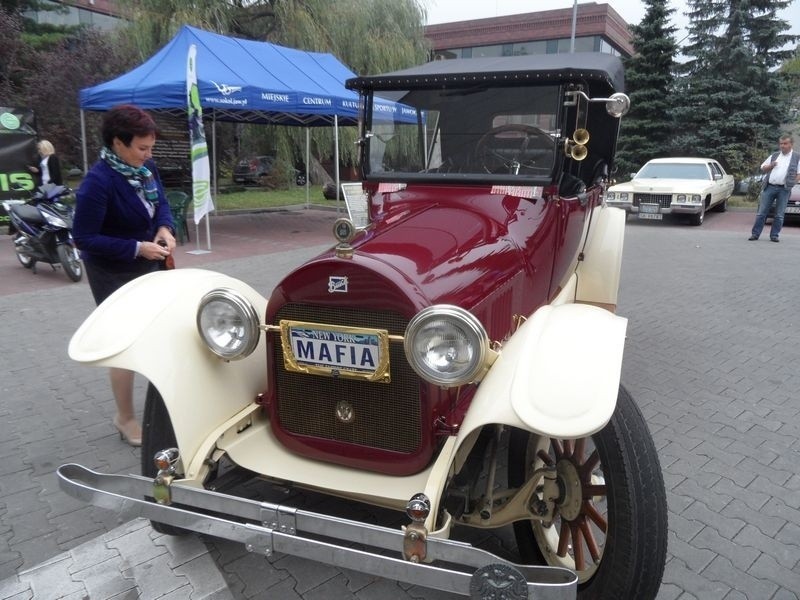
(455, 356)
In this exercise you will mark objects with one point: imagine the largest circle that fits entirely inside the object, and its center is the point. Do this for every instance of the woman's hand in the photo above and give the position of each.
(153, 251)
(164, 234)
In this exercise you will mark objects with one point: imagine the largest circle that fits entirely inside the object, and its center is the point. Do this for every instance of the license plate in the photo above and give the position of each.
(649, 208)
(334, 351)
(795, 210)
(654, 217)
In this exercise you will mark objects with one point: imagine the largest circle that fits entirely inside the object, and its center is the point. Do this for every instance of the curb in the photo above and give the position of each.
(269, 209)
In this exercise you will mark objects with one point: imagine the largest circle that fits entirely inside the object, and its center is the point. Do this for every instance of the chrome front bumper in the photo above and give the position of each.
(683, 209)
(265, 528)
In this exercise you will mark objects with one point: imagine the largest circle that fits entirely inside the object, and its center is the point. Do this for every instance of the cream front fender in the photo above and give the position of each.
(149, 326)
(598, 274)
(558, 375)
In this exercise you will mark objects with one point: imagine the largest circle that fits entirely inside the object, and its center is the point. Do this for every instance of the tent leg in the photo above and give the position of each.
(214, 152)
(336, 160)
(308, 190)
(83, 143)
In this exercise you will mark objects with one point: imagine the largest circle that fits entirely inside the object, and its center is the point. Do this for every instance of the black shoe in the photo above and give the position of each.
(776, 240)
(752, 238)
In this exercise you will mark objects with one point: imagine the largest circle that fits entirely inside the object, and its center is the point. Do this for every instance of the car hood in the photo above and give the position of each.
(439, 254)
(663, 186)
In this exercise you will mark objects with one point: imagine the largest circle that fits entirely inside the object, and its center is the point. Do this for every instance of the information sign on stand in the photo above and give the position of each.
(357, 203)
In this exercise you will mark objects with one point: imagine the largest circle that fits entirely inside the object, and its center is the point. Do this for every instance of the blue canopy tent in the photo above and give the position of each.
(238, 80)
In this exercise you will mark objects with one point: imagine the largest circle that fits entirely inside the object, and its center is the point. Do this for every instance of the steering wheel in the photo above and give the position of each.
(497, 152)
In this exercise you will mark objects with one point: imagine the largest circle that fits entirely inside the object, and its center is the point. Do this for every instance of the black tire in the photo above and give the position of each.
(68, 256)
(26, 260)
(627, 494)
(300, 179)
(698, 219)
(722, 206)
(157, 434)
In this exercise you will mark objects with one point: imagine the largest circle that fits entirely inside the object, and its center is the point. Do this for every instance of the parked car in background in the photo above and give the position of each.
(792, 214)
(253, 169)
(680, 186)
(793, 208)
(749, 184)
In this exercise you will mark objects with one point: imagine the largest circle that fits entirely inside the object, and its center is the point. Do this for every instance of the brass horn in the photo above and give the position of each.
(581, 136)
(575, 148)
(578, 152)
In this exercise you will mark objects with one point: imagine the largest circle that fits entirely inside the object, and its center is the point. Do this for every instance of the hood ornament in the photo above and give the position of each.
(344, 231)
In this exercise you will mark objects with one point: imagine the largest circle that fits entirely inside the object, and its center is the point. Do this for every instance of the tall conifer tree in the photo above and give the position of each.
(646, 130)
(732, 100)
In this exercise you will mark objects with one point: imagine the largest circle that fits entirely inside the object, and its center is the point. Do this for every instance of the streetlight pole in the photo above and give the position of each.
(574, 20)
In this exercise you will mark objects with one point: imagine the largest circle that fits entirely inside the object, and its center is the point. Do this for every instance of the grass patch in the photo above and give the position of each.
(255, 198)
(743, 201)
(249, 198)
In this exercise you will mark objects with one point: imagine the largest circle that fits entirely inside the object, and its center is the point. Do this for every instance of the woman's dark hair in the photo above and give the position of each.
(127, 122)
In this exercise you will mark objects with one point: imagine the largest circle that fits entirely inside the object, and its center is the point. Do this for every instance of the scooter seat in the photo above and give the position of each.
(29, 214)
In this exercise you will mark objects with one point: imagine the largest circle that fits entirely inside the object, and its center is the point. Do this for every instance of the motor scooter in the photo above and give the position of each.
(42, 230)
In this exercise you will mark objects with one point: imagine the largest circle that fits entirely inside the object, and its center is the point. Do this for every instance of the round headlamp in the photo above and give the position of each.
(228, 324)
(446, 345)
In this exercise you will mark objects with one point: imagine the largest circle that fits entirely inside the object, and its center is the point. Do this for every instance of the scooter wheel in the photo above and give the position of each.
(25, 260)
(71, 263)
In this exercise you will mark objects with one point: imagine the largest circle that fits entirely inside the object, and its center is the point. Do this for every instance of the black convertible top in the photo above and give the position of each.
(535, 68)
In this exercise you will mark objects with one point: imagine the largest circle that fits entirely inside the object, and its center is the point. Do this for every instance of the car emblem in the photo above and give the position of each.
(345, 412)
(337, 284)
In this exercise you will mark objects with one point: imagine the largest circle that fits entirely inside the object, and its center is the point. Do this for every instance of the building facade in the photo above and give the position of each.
(95, 13)
(598, 28)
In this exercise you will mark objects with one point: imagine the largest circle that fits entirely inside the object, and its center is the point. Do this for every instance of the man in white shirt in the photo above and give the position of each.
(780, 174)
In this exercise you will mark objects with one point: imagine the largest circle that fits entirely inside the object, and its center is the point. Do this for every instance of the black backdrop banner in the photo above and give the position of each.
(17, 151)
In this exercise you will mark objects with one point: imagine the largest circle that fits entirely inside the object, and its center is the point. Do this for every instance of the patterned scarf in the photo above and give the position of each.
(141, 178)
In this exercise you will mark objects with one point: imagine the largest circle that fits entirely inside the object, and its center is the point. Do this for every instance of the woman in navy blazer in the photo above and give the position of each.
(123, 227)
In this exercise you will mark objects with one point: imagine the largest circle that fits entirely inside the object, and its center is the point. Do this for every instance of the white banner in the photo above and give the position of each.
(201, 169)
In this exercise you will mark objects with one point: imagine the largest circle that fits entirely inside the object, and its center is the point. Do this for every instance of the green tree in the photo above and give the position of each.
(371, 36)
(152, 23)
(15, 55)
(647, 129)
(790, 70)
(732, 98)
(39, 35)
(21, 42)
(85, 58)
(43, 67)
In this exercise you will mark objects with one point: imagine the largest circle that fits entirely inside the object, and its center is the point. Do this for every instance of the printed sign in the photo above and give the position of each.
(17, 153)
(357, 203)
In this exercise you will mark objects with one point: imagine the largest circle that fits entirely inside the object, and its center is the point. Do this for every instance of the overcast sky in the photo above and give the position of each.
(445, 11)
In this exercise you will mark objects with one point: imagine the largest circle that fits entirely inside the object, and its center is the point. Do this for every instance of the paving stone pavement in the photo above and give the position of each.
(710, 358)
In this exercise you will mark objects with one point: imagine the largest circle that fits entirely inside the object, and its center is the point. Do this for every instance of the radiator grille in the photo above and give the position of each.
(387, 416)
(663, 200)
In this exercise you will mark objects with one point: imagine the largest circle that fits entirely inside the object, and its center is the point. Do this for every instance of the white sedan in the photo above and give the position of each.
(664, 186)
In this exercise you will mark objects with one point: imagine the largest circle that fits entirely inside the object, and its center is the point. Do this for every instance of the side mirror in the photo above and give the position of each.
(618, 104)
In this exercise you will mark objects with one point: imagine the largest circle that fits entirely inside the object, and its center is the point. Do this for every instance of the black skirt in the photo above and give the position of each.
(104, 281)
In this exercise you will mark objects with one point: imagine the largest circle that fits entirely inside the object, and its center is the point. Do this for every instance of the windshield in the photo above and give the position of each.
(673, 171)
(505, 133)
